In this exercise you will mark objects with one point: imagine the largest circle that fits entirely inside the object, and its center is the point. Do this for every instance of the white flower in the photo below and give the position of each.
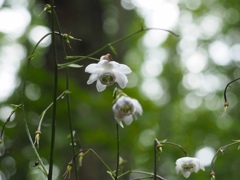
(106, 72)
(187, 165)
(126, 109)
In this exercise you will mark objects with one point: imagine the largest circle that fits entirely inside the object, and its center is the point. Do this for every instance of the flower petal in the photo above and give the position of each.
(137, 106)
(92, 78)
(114, 64)
(128, 120)
(92, 68)
(178, 168)
(121, 79)
(124, 69)
(186, 174)
(100, 87)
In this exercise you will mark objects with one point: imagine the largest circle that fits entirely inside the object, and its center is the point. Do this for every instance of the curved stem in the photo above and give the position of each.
(4, 125)
(115, 42)
(49, 106)
(221, 150)
(225, 90)
(177, 145)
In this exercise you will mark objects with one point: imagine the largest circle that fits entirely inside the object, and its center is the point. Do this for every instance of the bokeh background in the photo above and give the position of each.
(179, 82)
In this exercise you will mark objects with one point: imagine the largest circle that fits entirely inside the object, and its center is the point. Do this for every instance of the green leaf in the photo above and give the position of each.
(31, 57)
(75, 66)
(71, 66)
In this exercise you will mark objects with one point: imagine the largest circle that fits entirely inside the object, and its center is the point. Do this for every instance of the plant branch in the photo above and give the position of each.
(160, 144)
(221, 150)
(147, 173)
(113, 43)
(225, 91)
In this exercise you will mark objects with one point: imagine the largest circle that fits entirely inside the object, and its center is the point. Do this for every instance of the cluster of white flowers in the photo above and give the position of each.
(106, 72)
(127, 109)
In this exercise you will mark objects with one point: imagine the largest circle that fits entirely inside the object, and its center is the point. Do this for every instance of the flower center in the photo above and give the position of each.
(126, 109)
(188, 167)
(107, 78)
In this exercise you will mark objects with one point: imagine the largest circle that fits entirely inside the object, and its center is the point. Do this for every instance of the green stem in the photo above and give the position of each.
(68, 98)
(221, 150)
(115, 42)
(125, 173)
(85, 151)
(225, 90)
(25, 120)
(23, 104)
(4, 125)
(173, 144)
(155, 159)
(49, 106)
(117, 129)
(54, 94)
(147, 173)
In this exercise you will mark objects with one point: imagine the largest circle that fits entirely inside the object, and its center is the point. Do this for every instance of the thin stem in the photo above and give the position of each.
(173, 144)
(79, 57)
(225, 90)
(88, 150)
(139, 178)
(221, 150)
(125, 173)
(155, 159)
(54, 94)
(24, 115)
(147, 173)
(68, 98)
(4, 125)
(49, 106)
(117, 129)
(115, 42)
(23, 108)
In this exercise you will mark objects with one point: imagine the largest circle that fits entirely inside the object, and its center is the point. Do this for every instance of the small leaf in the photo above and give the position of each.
(71, 66)
(72, 57)
(31, 57)
(163, 140)
(75, 66)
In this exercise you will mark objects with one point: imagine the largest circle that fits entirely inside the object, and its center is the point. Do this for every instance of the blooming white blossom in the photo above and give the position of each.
(126, 109)
(106, 72)
(187, 165)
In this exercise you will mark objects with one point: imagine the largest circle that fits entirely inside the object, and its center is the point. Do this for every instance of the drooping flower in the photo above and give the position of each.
(126, 109)
(187, 165)
(106, 72)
